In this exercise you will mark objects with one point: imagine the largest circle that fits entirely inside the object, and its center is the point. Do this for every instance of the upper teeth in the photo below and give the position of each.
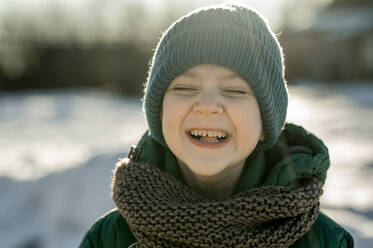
(208, 133)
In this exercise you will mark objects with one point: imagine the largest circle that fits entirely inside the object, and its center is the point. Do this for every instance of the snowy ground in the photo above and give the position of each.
(57, 150)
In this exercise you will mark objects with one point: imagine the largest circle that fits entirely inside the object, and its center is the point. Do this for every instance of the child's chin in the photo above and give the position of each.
(207, 170)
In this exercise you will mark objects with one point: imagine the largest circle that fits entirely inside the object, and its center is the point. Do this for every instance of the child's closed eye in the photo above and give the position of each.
(184, 88)
(235, 92)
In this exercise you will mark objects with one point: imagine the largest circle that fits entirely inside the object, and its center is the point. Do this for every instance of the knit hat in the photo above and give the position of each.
(228, 35)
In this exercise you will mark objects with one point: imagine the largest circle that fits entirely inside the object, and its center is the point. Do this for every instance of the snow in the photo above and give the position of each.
(63, 129)
(58, 149)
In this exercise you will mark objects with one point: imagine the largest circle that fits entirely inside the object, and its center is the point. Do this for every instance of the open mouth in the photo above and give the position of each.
(208, 136)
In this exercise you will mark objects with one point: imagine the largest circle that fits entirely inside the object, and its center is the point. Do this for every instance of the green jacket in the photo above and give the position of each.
(297, 154)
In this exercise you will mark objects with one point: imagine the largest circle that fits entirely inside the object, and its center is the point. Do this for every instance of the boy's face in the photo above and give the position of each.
(211, 100)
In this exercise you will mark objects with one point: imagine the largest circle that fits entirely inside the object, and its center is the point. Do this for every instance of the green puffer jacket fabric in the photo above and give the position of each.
(297, 154)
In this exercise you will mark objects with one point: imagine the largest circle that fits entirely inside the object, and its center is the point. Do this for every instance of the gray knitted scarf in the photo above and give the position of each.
(163, 212)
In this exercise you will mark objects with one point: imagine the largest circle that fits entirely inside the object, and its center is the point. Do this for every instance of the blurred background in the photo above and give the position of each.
(71, 79)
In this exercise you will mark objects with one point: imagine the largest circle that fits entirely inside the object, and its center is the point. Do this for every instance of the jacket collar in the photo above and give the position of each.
(297, 154)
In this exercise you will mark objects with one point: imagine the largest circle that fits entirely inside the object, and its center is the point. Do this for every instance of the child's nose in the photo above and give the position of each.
(208, 103)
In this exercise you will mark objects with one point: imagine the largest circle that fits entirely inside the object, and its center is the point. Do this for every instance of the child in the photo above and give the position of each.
(219, 167)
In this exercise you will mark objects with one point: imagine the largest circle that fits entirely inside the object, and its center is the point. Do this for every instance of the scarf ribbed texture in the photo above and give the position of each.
(163, 212)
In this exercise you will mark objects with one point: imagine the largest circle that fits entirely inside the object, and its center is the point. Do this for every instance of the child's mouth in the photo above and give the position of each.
(208, 136)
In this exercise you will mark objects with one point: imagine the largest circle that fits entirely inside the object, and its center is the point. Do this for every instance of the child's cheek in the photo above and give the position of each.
(181, 117)
(178, 113)
(173, 120)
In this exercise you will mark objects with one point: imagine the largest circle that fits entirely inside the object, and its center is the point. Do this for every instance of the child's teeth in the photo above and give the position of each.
(205, 133)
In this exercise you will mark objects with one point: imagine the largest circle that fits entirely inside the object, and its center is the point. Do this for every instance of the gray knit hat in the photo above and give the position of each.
(232, 36)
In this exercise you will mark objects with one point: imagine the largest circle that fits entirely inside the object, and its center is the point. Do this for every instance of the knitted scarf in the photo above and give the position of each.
(163, 212)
